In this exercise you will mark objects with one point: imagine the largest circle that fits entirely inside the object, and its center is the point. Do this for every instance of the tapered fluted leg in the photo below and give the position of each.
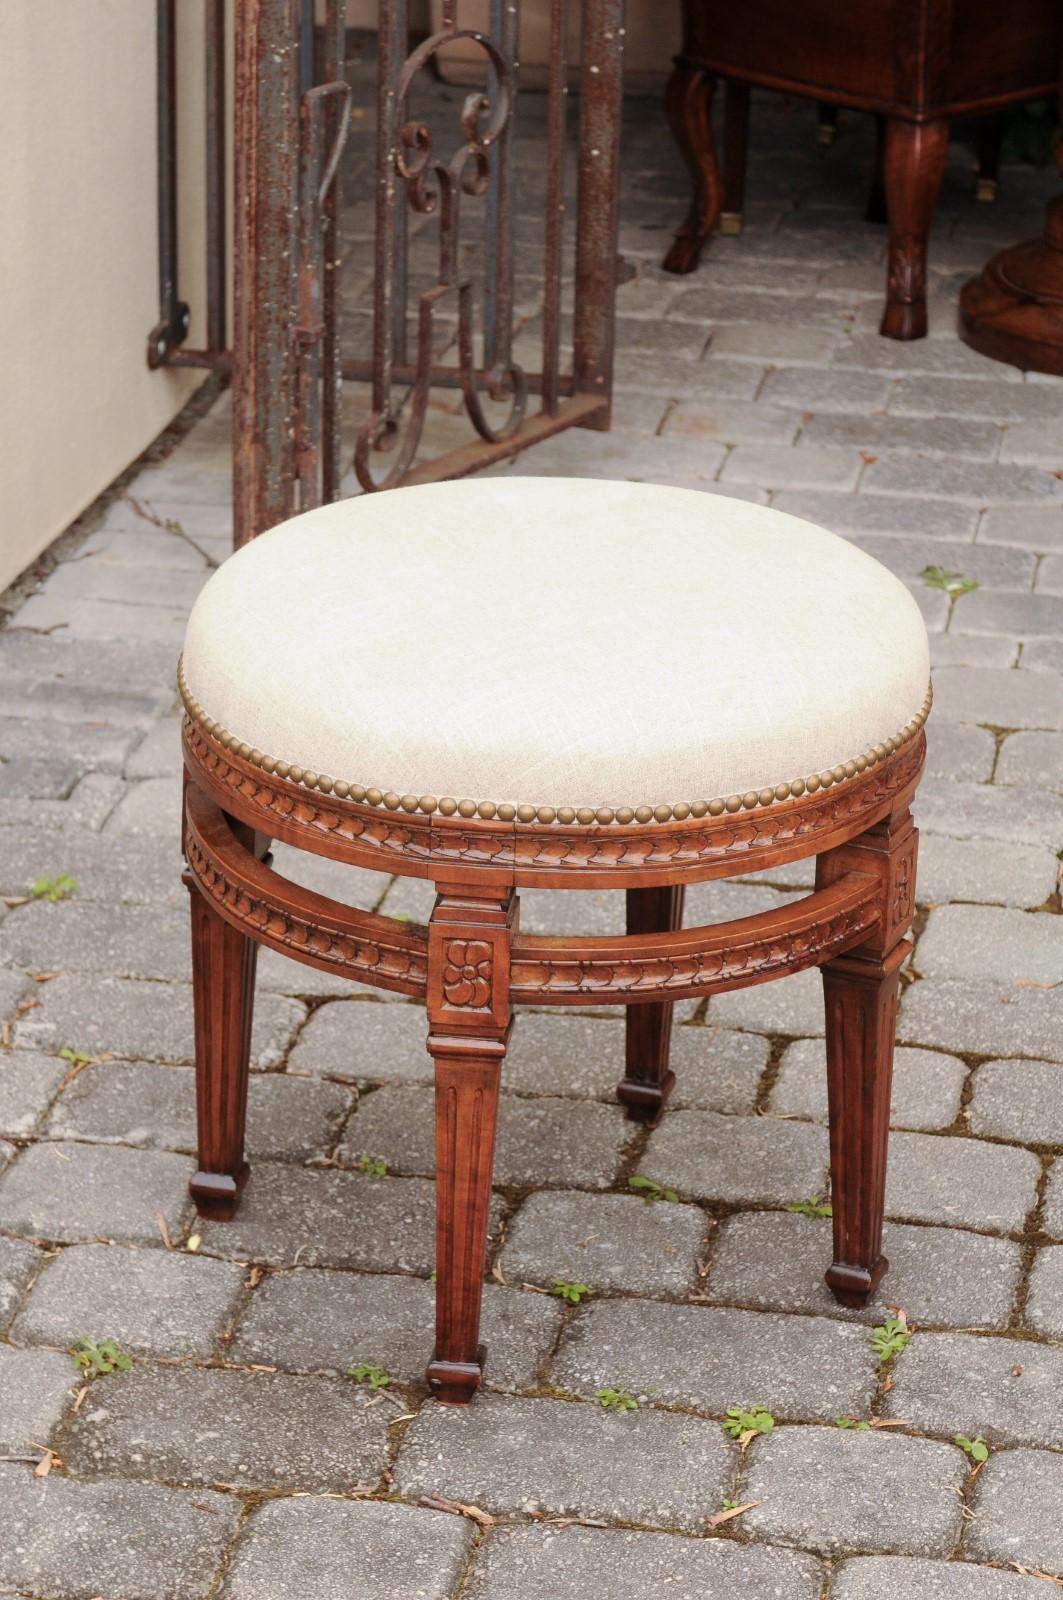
(688, 103)
(223, 999)
(469, 1023)
(648, 1080)
(860, 993)
(913, 166)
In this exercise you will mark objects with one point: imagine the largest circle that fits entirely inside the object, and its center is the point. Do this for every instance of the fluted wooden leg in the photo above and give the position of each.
(913, 166)
(469, 1023)
(648, 1080)
(688, 103)
(860, 994)
(223, 999)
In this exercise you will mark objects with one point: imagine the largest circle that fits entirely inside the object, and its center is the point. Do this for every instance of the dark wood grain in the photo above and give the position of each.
(648, 1081)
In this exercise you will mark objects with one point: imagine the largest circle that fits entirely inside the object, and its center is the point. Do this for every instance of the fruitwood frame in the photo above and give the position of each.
(471, 965)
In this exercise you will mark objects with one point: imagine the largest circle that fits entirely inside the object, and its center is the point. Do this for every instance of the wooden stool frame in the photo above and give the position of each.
(471, 964)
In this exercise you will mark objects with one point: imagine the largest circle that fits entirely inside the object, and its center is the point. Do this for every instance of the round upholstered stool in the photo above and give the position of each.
(557, 683)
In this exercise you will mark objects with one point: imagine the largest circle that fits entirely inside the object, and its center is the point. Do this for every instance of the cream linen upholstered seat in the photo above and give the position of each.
(555, 643)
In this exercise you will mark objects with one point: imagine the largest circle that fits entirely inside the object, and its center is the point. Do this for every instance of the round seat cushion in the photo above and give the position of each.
(555, 642)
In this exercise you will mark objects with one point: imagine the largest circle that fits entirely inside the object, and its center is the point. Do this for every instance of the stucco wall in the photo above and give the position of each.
(78, 257)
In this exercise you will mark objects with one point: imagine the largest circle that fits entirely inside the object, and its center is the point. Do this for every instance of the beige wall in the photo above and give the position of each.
(78, 256)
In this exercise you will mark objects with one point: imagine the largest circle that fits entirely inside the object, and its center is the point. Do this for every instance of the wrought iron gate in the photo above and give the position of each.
(292, 113)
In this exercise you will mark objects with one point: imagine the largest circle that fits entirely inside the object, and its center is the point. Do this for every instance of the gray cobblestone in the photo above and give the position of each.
(70, 1192)
(30, 778)
(1033, 759)
(937, 357)
(364, 1042)
(554, 1054)
(961, 751)
(942, 1276)
(538, 1141)
(1033, 527)
(949, 1382)
(1053, 1206)
(155, 1302)
(926, 1086)
(1018, 1511)
(14, 986)
(976, 482)
(997, 566)
(716, 1069)
(150, 806)
(776, 466)
(122, 871)
(768, 341)
(1043, 655)
(568, 1459)
(1033, 441)
(143, 1021)
(137, 1103)
(1050, 576)
(999, 399)
(606, 1241)
(1044, 1304)
(158, 753)
(881, 514)
(329, 1219)
(27, 1083)
(313, 1321)
(336, 1547)
(1004, 699)
(143, 1541)
(878, 1577)
(753, 1159)
(732, 421)
(707, 1358)
(251, 1430)
(18, 1262)
(949, 436)
(960, 1182)
(972, 650)
(992, 1019)
(791, 1005)
(825, 391)
(983, 811)
(1026, 616)
(992, 942)
(121, 941)
(1018, 1100)
(88, 805)
(35, 1389)
(821, 1489)
(517, 1562)
(103, 619)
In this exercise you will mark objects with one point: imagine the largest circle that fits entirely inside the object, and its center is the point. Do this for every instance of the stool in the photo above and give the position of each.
(566, 684)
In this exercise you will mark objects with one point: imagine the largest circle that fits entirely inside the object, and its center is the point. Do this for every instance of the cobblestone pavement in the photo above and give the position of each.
(236, 1458)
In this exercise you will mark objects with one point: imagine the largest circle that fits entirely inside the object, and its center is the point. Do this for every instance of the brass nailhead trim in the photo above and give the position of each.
(584, 815)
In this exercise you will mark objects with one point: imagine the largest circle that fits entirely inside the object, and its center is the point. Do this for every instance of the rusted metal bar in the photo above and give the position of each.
(172, 326)
(217, 177)
(266, 150)
(580, 412)
(334, 56)
(557, 94)
(601, 91)
(498, 212)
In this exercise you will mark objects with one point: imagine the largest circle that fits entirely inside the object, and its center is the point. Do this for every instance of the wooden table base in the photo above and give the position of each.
(1013, 311)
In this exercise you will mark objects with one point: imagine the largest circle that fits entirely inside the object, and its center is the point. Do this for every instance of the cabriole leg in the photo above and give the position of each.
(860, 993)
(688, 102)
(913, 166)
(469, 1023)
(223, 999)
(647, 1080)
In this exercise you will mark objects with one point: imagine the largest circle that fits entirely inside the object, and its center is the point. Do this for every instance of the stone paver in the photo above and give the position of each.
(538, 1141)
(776, 1261)
(355, 1041)
(67, 1191)
(822, 1489)
(18, 1263)
(313, 1321)
(960, 1182)
(707, 1358)
(140, 1103)
(1053, 1207)
(123, 941)
(143, 1541)
(949, 1382)
(517, 1562)
(1032, 758)
(753, 1159)
(992, 1019)
(247, 1430)
(789, 1005)
(1018, 1511)
(926, 1086)
(1020, 1100)
(35, 1389)
(156, 1302)
(606, 1241)
(28, 1082)
(1044, 1303)
(336, 1219)
(1005, 946)
(336, 1547)
(1004, 699)
(878, 1577)
(567, 1458)
(1004, 874)
(145, 1021)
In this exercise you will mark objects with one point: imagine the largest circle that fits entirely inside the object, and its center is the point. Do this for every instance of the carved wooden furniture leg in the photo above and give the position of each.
(912, 172)
(735, 149)
(688, 102)
(860, 993)
(647, 1080)
(469, 1021)
(223, 999)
